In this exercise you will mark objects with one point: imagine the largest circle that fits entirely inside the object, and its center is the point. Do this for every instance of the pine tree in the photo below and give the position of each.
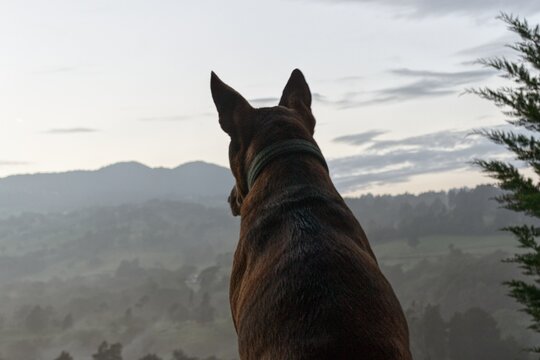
(67, 322)
(205, 312)
(64, 356)
(150, 357)
(521, 104)
(108, 352)
(181, 355)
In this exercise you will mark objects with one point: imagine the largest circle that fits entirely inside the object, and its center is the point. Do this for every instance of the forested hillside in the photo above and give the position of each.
(153, 276)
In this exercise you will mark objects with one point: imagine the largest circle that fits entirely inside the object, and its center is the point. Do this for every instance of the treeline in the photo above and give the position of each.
(108, 351)
(469, 335)
(145, 308)
(123, 295)
(154, 277)
(409, 217)
(153, 311)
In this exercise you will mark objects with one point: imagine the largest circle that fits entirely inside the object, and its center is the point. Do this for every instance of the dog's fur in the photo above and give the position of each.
(305, 283)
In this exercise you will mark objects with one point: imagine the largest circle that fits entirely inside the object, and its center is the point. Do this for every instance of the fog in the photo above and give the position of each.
(148, 274)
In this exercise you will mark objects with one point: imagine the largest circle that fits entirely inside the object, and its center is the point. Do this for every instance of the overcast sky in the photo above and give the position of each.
(84, 84)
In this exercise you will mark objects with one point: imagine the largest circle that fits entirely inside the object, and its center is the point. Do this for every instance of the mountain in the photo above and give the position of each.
(127, 182)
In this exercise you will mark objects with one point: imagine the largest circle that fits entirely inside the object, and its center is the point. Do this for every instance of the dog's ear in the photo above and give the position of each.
(235, 201)
(297, 96)
(231, 106)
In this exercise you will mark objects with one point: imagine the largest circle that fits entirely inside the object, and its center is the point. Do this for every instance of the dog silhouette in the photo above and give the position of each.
(305, 283)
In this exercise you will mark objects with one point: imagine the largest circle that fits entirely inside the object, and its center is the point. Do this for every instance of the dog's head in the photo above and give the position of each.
(253, 129)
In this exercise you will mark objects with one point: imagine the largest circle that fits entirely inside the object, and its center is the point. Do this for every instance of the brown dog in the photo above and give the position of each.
(305, 283)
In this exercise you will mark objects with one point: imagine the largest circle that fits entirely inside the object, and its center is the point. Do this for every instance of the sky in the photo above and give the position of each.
(84, 84)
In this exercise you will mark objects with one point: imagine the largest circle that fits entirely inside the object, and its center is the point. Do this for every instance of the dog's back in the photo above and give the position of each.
(305, 286)
(305, 283)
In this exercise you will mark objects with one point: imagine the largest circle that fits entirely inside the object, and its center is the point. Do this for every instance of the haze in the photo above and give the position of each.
(87, 84)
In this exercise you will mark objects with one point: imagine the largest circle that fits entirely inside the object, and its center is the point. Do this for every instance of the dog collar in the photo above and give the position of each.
(271, 152)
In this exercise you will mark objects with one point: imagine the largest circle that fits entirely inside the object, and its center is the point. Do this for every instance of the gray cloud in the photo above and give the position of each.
(360, 138)
(77, 130)
(351, 78)
(487, 49)
(483, 8)
(264, 101)
(494, 48)
(318, 97)
(437, 140)
(175, 118)
(458, 77)
(422, 84)
(392, 161)
(418, 89)
(273, 101)
(425, 84)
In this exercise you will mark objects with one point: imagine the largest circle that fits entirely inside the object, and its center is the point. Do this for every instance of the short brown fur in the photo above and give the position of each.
(305, 283)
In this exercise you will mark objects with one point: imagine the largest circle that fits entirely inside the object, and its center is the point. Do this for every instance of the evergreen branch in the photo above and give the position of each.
(523, 195)
(526, 148)
(521, 27)
(519, 73)
(522, 104)
(528, 295)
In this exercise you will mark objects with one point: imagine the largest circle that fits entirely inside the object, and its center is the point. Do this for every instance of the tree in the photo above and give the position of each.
(204, 313)
(521, 104)
(180, 355)
(434, 333)
(474, 335)
(108, 352)
(64, 356)
(38, 319)
(150, 357)
(67, 322)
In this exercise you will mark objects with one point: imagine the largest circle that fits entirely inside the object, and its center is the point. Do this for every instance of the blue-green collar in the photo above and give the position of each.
(271, 152)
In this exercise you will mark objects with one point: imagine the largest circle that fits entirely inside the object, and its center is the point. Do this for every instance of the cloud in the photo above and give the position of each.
(175, 118)
(318, 97)
(421, 84)
(392, 161)
(264, 101)
(77, 130)
(439, 140)
(462, 7)
(13, 163)
(59, 69)
(494, 48)
(274, 101)
(458, 77)
(425, 84)
(361, 138)
(349, 78)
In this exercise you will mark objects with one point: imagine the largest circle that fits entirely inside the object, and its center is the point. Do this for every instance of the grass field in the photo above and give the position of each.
(399, 252)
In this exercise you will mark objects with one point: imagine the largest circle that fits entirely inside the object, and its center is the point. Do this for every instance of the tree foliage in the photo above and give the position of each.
(64, 356)
(520, 102)
(150, 357)
(108, 352)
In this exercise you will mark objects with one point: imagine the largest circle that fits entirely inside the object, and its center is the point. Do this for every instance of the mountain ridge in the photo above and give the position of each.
(114, 184)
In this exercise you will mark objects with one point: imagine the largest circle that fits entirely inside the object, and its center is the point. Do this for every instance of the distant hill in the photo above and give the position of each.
(127, 182)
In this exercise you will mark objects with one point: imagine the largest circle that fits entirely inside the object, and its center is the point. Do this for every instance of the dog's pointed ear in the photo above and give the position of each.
(231, 106)
(297, 96)
(296, 92)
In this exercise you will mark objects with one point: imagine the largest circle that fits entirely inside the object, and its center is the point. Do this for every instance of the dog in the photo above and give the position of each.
(305, 284)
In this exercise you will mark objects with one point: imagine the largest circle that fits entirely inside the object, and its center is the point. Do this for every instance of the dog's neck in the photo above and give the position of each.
(279, 149)
(288, 174)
